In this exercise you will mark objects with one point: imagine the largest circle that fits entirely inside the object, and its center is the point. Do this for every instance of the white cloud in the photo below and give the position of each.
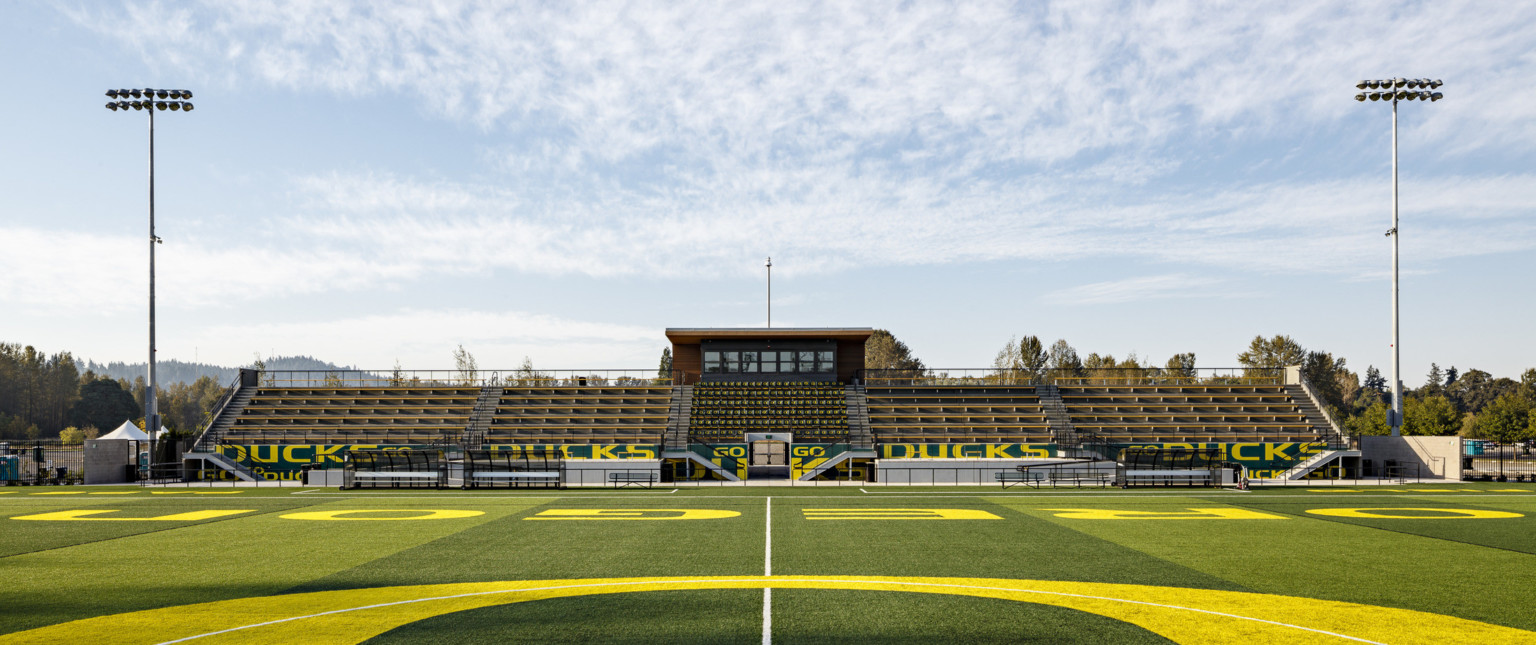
(669, 140)
(369, 232)
(1325, 227)
(425, 339)
(967, 85)
(1152, 287)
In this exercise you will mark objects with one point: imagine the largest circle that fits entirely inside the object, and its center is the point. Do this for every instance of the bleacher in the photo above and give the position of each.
(352, 415)
(1186, 413)
(581, 415)
(957, 414)
(722, 412)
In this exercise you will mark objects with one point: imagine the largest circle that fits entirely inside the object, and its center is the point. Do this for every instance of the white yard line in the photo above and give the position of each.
(768, 571)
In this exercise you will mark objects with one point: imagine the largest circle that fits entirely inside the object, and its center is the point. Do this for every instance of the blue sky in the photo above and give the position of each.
(373, 181)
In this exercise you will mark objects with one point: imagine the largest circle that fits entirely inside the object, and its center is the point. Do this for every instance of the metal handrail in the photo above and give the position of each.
(460, 378)
(218, 409)
(1087, 376)
(1317, 401)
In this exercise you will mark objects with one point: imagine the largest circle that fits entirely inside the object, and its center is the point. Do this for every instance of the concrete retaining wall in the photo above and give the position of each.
(1437, 457)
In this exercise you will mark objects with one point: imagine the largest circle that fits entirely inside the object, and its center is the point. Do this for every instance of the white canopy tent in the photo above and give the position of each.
(131, 432)
(126, 431)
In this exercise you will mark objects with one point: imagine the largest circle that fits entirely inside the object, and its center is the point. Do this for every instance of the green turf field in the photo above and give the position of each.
(1431, 564)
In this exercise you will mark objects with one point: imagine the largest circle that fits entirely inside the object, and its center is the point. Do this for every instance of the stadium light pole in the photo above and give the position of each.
(769, 263)
(151, 100)
(1394, 90)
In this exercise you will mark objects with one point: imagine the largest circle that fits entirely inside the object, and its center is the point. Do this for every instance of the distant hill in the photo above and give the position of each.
(174, 371)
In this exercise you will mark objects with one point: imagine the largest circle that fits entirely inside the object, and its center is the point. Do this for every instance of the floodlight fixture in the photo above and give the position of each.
(1397, 89)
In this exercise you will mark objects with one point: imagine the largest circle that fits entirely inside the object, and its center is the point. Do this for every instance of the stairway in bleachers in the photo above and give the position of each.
(723, 412)
(1325, 427)
(1056, 415)
(860, 436)
(480, 418)
(227, 414)
(676, 439)
(1187, 413)
(957, 414)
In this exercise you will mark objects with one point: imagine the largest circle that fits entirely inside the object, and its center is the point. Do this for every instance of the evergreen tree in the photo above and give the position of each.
(103, 405)
(1374, 381)
(664, 370)
(1434, 382)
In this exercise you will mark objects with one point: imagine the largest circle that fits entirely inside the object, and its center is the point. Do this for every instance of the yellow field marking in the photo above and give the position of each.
(196, 492)
(1385, 513)
(121, 492)
(1196, 616)
(1334, 490)
(1511, 490)
(7, 492)
(897, 514)
(632, 514)
(80, 516)
(343, 516)
(1219, 513)
(62, 492)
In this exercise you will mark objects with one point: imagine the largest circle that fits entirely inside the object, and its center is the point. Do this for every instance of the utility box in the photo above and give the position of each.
(107, 461)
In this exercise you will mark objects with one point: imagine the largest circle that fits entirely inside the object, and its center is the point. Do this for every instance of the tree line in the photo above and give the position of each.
(45, 396)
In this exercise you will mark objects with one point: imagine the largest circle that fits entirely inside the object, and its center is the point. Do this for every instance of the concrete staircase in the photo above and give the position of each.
(1056, 415)
(679, 408)
(206, 447)
(480, 417)
(860, 436)
(1312, 409)
(1323, 458)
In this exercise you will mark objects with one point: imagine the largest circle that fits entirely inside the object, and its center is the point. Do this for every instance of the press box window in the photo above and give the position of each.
(711, 362)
